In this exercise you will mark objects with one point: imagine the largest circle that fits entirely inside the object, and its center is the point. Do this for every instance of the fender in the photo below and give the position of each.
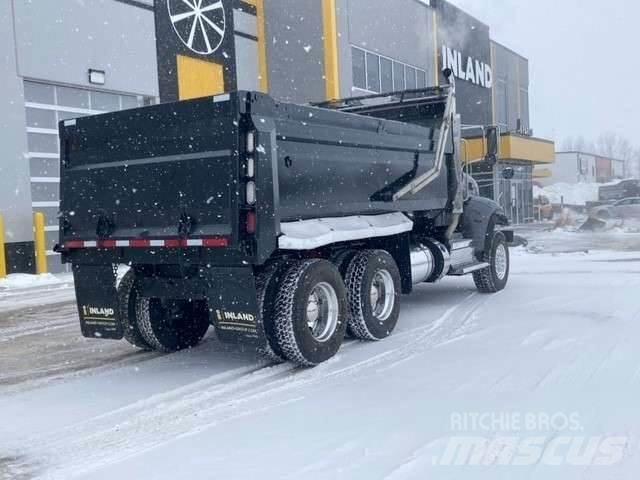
(479, 220)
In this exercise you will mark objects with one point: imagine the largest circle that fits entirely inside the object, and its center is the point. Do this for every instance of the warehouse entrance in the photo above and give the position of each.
(515, 194)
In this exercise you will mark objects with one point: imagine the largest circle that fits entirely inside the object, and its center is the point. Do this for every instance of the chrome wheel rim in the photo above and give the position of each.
(501, 261)
(322, 312)
(382, 295)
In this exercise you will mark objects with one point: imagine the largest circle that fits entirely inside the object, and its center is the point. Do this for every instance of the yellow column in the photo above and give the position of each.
(263, 62)
(40, 244)
(262, 46)
(331, 54)
(3, 259)
(436, 50)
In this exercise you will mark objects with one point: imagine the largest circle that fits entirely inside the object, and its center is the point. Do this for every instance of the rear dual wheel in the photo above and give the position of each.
(315, 300)
(372, 279)
(172, 325)
(310, 312)
(163, 325)
(127, 302)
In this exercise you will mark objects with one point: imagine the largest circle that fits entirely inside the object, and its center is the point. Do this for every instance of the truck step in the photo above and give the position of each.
(467, 269)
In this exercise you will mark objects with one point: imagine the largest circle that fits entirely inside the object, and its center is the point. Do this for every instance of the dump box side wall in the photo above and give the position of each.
(332, 163)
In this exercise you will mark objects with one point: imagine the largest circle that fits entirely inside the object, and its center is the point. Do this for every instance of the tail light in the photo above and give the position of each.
(251, 197)
(251, 167)
(251, 142)
(252, 222)
(251, 193)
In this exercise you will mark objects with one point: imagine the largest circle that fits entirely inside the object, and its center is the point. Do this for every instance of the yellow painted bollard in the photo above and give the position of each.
(40, 244)
(3, 258)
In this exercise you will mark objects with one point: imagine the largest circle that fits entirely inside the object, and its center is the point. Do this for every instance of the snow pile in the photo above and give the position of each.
(19, 281)
(573, 194)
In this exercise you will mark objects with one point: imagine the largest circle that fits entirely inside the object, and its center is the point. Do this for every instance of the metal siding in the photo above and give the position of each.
(247, 64)
(514, 70)
(245, 23)
(462, 32)
(402, 31)
(295, 50)
(60, 41)
(15, 191)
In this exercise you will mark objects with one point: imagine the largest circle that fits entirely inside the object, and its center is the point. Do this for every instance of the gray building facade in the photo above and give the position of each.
(510, 89)
(68, 58)
(47, 51)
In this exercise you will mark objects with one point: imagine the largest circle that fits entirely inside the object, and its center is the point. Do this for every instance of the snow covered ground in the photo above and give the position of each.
(22, 291)
(546, 374)
(569, 193)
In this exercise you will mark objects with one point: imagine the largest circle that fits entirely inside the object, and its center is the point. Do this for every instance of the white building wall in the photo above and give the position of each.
(571, 167)
(618, 169)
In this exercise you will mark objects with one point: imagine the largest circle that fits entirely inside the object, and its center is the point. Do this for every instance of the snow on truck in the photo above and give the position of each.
(285, 227)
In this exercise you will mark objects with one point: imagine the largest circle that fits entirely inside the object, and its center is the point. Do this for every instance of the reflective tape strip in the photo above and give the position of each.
(140, 243)
(213, 242)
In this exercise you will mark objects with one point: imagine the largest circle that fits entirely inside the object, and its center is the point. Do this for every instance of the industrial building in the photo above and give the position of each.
(66, 59)
(580, 167)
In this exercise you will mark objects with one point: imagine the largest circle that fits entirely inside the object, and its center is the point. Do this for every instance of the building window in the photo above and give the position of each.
(386, 74)
(502, 105)
(398, 76)
(378, 74)
(359, 69)
(45, 106)
(422, 79)
(411, 78)
(524, 108)
(373, 72)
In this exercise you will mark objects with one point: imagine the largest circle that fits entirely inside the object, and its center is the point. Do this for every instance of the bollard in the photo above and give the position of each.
(40, 244)
(3, 258)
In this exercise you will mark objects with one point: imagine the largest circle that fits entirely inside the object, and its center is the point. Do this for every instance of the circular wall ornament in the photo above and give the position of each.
(200, 24)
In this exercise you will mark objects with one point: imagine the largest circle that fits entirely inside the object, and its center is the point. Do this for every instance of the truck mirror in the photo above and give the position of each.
(508, 173)
(492, 139)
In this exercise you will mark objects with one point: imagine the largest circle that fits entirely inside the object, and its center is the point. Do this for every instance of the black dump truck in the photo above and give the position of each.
(284, 227)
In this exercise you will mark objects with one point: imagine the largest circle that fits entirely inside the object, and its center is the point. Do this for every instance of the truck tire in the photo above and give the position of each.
(266, 288)
(494, 278)
(127, 300)
(169, 326)
(342, 258)
(373, 291)
(311, 312)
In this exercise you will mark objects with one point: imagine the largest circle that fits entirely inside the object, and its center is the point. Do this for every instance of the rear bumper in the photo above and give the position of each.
(184, 256)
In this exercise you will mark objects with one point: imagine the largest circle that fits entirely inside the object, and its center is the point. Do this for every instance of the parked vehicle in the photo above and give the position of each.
(280, 225)
(629, 208)
(619, 191)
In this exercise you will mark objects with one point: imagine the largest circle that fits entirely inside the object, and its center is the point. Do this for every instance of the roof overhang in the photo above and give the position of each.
(513, 147)
(542, 173)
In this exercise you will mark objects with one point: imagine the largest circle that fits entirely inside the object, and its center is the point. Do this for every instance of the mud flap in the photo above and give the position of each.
(233, 303)
(97, 300)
